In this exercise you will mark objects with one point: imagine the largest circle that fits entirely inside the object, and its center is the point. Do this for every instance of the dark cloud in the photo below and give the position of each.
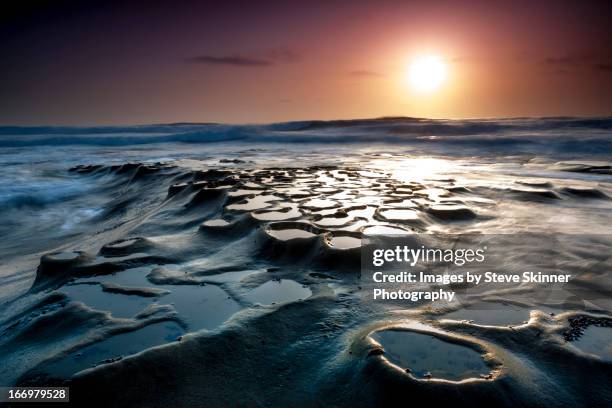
(366, 73)
(568, 60)
(236, 61)
(607, 66)
(263, 59)
(282, 55)
(572, 62)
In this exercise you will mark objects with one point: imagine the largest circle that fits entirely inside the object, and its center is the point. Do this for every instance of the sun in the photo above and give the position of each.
(427, 73)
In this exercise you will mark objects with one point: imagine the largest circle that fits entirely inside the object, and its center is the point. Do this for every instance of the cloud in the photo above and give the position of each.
(366, 73)
(234, 60)
(596, 62)
(264, 59)
(605, 66)
(282, 55)
(568, 60)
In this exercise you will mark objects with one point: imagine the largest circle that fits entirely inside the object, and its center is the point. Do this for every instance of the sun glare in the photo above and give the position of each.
(427, 73)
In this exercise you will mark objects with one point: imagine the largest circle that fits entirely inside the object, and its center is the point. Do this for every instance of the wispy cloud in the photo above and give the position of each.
(603, 67)
(366, 73)
(282, 55)
(568, 60)
(262, 59)
(579, 61)
(234, 60)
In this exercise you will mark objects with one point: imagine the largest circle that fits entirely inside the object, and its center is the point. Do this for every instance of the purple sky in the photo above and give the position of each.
(75, 62)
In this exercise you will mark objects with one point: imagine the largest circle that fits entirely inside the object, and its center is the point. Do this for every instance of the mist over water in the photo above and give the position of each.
(551, 135)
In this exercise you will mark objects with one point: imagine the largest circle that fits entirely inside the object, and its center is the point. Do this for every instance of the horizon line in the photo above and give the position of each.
(356, 119)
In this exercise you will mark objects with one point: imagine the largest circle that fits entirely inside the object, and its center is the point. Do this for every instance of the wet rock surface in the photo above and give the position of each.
(251, 273)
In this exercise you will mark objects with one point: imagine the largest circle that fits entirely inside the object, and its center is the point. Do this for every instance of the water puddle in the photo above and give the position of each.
(65, 256)
(596, 340)
(277, 215)
(278, 291)
(119, 305)
(326, 190)
(368, 193)
(333, 221)
(401, 204)
(128, 277)
(252, 185)
(295, 192)
(368, 200)
(215, 223)
(385, 230)
(321, 203)
(400, 215)
(491, 315)
(120, 345)
(342, 196)
(427, 356)
(239, 193)
(367, 212)
(201, 307)
(344, 242)
(291, 233)
(255, 203)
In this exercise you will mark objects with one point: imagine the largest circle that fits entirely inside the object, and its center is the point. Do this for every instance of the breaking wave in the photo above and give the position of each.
(554, 135)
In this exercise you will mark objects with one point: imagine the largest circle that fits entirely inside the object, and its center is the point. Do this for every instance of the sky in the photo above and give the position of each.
(70, 62)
